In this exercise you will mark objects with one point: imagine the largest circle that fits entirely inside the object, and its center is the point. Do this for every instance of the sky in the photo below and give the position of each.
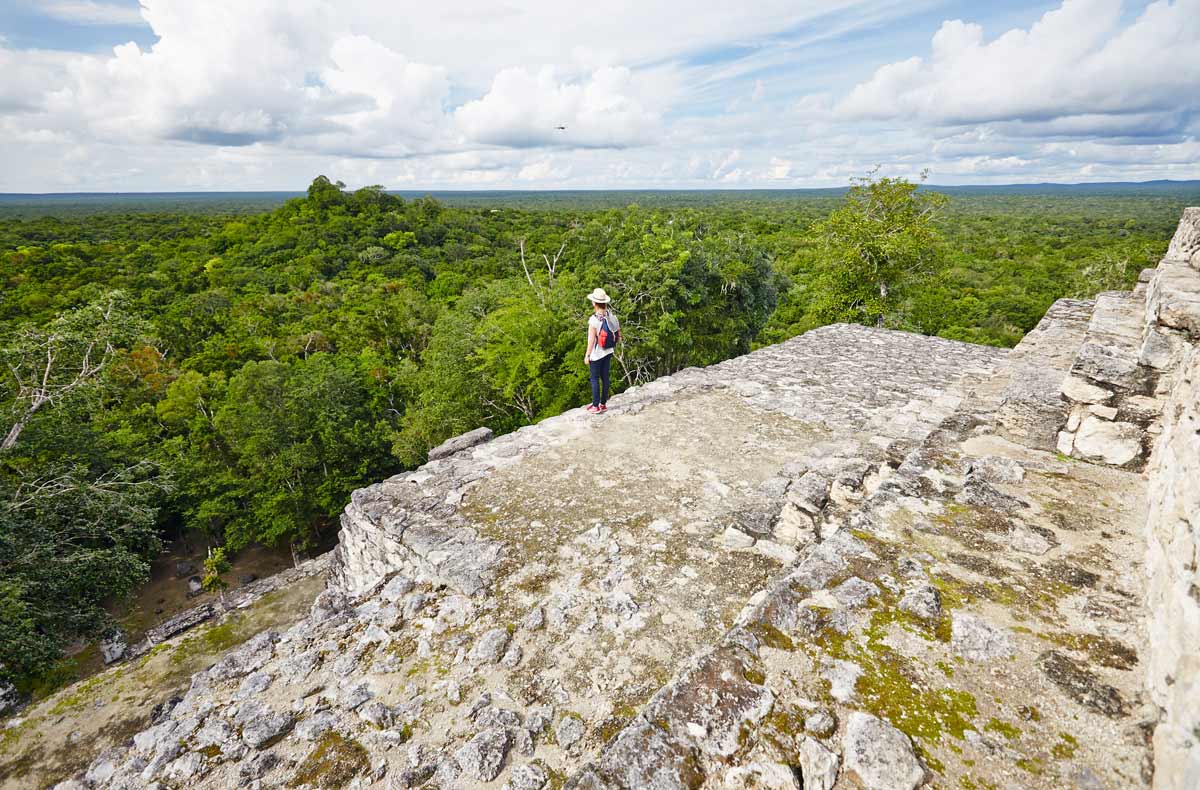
(180, 95)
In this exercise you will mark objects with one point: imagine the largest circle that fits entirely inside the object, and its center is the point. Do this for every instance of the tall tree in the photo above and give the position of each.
(44, 365)
(70, 541)
(878, 246)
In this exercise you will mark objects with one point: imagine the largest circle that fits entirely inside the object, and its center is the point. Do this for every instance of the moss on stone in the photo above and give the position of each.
(771, 636)
(754, 675)
(786, 721)
(554, 779)
(332, 763)
(1033, 765)
(892, 688)
(1066, 749)
(1102, 650)
(1009, 731)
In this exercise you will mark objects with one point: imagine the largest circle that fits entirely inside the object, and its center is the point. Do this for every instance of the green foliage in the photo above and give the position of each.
(69, 541)
(216, 563)
(879, 246)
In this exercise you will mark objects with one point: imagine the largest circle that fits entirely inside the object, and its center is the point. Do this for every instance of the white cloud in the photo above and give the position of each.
(1076, 61)
(525, 109)
(91, 12)
(266, 94)
(231, 74)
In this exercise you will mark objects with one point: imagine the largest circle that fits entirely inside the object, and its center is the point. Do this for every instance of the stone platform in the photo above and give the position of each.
(854, 559)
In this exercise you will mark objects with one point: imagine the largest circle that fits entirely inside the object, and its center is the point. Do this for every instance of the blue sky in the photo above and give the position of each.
(114, 95)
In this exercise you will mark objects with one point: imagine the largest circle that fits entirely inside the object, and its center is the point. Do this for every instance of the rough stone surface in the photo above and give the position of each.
(1116, 443)
(818, 765)
(1173, 592)
(1032, 411)
(527, 777)
(482, 757)
(490, 647)
(460, 443)
(924, 601)
(1108, 355)
(975, 639)
(880, 756)
(1186, 240)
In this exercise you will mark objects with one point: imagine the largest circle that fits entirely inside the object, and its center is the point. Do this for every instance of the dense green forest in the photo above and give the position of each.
(237, 374)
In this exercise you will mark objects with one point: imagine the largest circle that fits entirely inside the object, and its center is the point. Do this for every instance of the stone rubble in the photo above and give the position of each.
(849, 560)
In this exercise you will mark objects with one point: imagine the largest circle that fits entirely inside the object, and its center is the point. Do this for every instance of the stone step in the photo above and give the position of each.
(1108, 356)
(1110, 388)
(1172, 314)
(1106, 372)
(1032, 410)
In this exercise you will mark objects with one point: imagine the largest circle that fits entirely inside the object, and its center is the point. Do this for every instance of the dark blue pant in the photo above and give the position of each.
(599, 369)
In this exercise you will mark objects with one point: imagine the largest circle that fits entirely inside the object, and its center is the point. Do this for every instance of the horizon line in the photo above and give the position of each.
(533, 190)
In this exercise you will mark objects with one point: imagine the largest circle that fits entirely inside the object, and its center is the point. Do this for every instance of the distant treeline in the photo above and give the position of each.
(32, 206)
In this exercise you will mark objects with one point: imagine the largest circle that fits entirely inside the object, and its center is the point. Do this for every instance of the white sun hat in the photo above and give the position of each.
(599, 297)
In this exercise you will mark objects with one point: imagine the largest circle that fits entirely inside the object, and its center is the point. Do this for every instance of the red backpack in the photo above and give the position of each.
(606, 337)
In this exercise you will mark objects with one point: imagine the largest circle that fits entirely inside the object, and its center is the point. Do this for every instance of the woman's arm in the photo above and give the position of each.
(587, 355)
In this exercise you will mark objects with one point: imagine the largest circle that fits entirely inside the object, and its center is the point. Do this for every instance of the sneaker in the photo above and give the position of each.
(593, 409)
(603, 407)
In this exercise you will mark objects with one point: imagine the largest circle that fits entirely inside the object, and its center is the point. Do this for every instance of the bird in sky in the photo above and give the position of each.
(561, 128)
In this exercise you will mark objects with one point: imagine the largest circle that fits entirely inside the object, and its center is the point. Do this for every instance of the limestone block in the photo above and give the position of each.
(180, 623)
(794, 527)
(1115, 443)
(995, 469)
(818, 765)
(1110, 363)
(489, 648)
(462, 442)
(1186, 241)
(809, 493)
(734, 538)
(1173, 298)
(1103, 412)
(1141, 408)
(1033, 411)
(1066, 442)
(880, 756)
(924, 601)
(482, 757)
(1181, 311)
(764, 775)
(527, 777)
(976, 639)
(776, 551)
(1080, 391)
(1162, 348)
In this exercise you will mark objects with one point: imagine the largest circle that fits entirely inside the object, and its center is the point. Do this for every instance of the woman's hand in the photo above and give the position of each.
(586, 362)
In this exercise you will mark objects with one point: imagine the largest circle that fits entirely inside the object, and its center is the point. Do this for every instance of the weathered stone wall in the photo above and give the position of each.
(1173, 583)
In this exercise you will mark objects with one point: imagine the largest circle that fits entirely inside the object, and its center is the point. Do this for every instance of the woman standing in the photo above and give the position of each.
(603, 332)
